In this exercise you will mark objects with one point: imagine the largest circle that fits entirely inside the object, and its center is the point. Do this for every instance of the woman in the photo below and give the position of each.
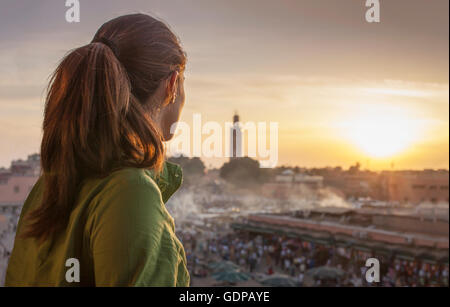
(96, 217)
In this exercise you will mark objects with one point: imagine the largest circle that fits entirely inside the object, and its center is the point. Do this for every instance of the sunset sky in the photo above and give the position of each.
(342, 90)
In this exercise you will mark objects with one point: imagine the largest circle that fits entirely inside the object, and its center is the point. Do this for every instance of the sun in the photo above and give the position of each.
(382, 135)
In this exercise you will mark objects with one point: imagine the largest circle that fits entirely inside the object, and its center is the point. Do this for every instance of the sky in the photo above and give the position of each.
(342, 90)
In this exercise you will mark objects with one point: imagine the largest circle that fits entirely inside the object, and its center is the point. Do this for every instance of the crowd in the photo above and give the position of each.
(272, 254)
(277, 254)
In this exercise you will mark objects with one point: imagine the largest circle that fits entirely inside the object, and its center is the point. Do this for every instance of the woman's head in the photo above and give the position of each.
(155, 62)
(110, 104)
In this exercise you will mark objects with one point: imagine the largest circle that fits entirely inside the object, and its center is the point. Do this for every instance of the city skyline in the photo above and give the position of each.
(342, 90)
(361, 165)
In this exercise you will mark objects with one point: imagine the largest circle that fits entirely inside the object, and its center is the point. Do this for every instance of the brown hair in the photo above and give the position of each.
(96, 118)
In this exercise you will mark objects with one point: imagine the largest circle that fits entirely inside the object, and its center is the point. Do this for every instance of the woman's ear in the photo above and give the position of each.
(172, 86)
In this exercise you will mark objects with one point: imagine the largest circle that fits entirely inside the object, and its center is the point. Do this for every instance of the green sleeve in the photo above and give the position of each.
(132, 239)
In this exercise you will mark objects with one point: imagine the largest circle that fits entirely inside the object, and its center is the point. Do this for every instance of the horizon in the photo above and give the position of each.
(344, 168)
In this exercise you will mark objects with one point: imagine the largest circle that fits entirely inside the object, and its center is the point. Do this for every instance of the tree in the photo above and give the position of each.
(355, 168)
(241, 171)
(190, 166)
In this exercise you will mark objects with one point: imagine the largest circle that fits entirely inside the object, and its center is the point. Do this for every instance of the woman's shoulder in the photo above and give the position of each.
(122, 180)
(131, 176)
(126, 189)
(128, 199)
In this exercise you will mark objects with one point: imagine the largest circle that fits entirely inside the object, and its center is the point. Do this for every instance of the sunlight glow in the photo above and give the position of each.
(382, 135)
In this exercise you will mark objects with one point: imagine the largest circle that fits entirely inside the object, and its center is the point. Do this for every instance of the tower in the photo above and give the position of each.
(236, 138)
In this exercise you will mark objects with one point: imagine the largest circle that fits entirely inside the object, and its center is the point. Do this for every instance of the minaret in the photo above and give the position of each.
(236, 138)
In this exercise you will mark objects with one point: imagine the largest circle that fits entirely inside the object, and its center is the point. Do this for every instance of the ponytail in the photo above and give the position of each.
(93, 124)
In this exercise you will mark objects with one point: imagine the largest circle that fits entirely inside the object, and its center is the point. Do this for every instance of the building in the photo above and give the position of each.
(359, 184)
(413, 187)
(236, 140)
(312, 182)
(288, 183)
(17, 181)
(416, 186)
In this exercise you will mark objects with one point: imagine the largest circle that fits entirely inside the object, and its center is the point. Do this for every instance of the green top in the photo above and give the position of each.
(119, 231)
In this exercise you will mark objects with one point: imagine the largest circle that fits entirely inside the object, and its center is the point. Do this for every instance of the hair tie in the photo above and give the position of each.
(110, 44)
